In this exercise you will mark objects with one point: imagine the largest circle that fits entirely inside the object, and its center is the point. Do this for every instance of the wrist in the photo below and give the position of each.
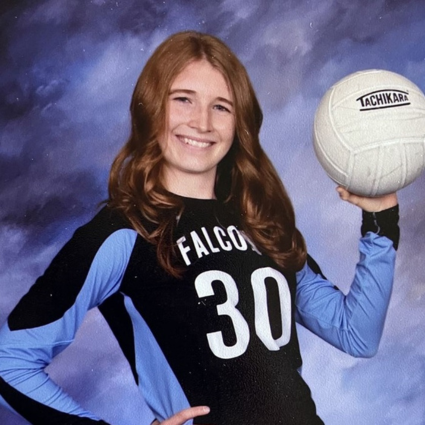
(383, 223)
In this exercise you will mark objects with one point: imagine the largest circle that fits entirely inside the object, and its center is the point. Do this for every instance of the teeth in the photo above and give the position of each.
(196, 143)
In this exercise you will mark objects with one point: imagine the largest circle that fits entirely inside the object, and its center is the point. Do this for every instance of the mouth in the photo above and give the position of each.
(195, 143)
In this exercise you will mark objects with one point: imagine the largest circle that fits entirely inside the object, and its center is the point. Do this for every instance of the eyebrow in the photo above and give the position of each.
(219, 98)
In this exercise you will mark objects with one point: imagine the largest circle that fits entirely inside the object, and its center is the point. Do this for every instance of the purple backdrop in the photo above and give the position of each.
(67, 72)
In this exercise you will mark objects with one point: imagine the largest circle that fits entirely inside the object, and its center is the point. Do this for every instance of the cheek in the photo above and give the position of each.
(230, 132)
(162, 139)
(177, 114)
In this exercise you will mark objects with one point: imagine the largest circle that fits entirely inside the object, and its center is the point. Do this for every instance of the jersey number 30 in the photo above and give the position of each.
(203, 285)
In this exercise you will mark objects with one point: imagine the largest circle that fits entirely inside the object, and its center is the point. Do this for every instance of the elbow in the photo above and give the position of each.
(362, 342)
(363, 350)
(365, 354)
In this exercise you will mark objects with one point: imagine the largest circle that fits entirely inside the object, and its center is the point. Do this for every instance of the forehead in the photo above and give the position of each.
(202, 77)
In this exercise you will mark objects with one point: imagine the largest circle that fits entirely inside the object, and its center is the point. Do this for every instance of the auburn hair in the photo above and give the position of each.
(246, 180)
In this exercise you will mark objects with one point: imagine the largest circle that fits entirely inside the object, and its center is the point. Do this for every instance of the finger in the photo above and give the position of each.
(181, 417)
(344, 194)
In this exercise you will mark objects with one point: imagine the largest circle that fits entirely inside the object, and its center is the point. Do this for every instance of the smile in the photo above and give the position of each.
(195, 143)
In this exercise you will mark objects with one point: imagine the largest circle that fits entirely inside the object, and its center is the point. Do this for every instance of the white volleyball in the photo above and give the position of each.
(369, 132)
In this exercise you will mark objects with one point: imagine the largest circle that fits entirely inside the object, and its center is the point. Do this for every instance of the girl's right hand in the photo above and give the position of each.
(181, 417)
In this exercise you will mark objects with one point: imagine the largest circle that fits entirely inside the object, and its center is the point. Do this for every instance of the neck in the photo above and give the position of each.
(190, 186)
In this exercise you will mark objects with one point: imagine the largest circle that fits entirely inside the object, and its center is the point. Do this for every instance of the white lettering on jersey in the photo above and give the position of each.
(262, 322)
(203, 286)
(199, 246)
(219, 234)
(238, 241)
(204, 243)
(208, 239)
(184, 250)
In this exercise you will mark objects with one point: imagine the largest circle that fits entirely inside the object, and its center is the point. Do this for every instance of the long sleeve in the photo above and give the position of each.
(85, 272)
(353, 322)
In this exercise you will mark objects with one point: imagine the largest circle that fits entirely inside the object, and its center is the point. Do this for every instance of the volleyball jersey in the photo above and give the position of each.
(223, 335)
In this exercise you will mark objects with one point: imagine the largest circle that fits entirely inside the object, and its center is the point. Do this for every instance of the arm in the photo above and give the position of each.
(85, 272)
(354, 323)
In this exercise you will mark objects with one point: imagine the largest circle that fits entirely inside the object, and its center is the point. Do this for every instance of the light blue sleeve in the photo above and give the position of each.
(24, 353)
(353, 322)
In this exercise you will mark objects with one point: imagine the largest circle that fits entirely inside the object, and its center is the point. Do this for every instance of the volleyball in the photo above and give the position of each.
(369, 132)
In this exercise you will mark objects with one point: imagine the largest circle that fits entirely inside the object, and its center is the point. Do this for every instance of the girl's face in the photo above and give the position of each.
(200, 128)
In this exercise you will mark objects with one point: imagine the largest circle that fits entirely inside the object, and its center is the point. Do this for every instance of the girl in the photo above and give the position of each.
(197, 265)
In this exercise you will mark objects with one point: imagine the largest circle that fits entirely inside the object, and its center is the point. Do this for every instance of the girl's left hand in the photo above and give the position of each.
(377, 204)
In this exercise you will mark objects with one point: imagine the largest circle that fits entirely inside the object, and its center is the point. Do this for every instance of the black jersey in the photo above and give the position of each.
(227, 329)
(223, 335)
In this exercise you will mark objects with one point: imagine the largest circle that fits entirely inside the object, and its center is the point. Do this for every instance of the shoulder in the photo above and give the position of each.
(88, 267)
(98, 241)
(105, 223)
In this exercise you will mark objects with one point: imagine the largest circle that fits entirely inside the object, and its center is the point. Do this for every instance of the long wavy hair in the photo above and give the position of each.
(246, 180)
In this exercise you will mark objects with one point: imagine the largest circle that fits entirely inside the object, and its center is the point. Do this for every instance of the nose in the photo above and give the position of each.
(201, 119)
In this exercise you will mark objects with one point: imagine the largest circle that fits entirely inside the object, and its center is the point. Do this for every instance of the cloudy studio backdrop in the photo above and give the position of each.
(68, 68)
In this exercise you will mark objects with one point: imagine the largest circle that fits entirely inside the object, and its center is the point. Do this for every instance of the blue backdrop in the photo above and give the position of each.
(68, 68)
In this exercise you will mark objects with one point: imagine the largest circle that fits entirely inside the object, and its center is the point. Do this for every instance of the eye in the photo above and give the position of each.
(222, 108)
(182, 99)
